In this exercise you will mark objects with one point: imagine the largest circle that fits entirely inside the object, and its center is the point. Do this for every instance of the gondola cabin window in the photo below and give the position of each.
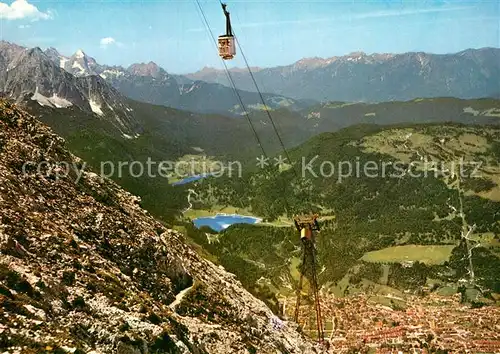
(227, 49)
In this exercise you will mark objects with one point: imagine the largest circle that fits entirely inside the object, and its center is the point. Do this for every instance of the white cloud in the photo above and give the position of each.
(23, 26)
(107, 41)
(361, 16)
(404, 12)
(21, 9)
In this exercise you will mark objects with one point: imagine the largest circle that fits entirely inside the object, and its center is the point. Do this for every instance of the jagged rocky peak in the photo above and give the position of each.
(35, 51)
(52, 51)
(42, 76)
(317, 62)
(208, 69)
(53, 54)
(382, 56)
(7, 47)
(356, 54)
(310, 62)
(245, 69)
(84, 269)
(79, 54)
(32, 62)
(80, 64)
(143, 69)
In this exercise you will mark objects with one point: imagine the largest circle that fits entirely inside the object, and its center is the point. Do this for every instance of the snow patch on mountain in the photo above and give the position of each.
(60, 102)
(192, 88)
(54, 101)
(96, 108)
(127, 136)
(62, 62)
(41, 99)
(79, 54)
(76, 65)
(109, 72)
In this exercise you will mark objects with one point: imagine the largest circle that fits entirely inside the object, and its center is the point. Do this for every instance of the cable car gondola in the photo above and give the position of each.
(227, 48)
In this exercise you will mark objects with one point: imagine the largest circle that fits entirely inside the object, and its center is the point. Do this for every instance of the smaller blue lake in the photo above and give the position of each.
(223, 221)
(191, 179)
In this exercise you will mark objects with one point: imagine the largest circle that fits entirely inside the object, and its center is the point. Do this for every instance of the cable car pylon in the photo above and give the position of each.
(306, 225)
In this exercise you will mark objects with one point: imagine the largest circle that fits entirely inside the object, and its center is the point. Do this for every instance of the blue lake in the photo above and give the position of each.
(223, 221)
(191, 179)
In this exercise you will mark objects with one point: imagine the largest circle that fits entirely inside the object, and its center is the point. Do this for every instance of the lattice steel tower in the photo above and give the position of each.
(306, 225)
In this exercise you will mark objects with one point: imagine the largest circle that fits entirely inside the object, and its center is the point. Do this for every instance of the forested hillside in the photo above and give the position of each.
(417, 192)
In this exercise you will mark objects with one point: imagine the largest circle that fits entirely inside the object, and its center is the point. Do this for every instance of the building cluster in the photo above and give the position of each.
(422, 325)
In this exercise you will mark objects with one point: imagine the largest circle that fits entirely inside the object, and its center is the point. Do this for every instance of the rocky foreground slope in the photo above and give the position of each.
(84, 269)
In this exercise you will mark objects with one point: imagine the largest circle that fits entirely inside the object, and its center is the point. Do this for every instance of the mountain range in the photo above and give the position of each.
(59, 81)
(29, 74)
(147, 82)
(359, 77)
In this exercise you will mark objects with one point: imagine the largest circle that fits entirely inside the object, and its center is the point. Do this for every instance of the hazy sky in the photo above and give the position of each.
(172, 32)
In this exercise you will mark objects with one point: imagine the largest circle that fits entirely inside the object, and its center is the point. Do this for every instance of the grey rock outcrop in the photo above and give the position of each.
(84, 268)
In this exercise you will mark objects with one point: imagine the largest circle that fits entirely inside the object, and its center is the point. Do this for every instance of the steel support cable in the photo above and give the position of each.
(267, 111)
(265, 105)
(269, 115)
(233, 86)
(314, 280)
(299, 289)
(319, 319)
(262, 98)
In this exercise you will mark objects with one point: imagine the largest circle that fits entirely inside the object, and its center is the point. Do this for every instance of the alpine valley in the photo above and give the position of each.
(105, 261)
